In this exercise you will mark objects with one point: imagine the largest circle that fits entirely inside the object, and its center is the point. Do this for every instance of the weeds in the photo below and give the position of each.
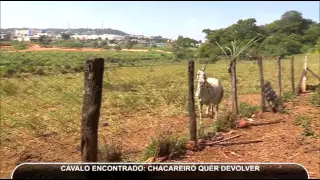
(167, 145)
(9, 88)
(288, 96)
(247, 110)
(110, 152)
(304, 123)
(314, 99)
(223, 122)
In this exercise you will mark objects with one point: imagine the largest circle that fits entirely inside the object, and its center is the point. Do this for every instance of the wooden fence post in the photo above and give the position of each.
(93, 77)
(191, 106)
(304, 79)
(298, 88)
(292, 74)
(234, 95)
(263, 105)
(279, 76)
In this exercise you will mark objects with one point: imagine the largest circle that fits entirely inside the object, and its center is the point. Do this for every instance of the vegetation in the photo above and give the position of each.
(165, 145)
(110, 152)
(304, 122)
(44, 92)
(41, 63)
(291, 34)
(314, 99)
(288, 96)
(247, 110)
(19, 45)
(184, 48)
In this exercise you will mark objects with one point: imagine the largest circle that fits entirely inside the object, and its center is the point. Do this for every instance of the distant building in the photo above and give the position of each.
(115, 37)
(2, 36)
(23, 32)
(23, 38)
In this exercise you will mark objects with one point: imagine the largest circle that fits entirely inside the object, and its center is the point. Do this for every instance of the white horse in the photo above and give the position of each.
(209, 92)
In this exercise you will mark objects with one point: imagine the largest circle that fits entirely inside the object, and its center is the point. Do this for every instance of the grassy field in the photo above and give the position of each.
(55, 62)
(52, 103)
(40, 105)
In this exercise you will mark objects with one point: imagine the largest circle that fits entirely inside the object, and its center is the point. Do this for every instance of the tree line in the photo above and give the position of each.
(291, 34)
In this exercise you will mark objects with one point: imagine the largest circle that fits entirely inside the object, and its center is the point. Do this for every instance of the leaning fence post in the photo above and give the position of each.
(292, 74)
(191, 106)
(304, 80)
(298, 88)
(263, 106)
(93, 77)
(279, 75)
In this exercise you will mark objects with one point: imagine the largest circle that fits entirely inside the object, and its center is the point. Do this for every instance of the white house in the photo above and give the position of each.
(115, 37)
(24, 32)
(23, 38)
(2, 36)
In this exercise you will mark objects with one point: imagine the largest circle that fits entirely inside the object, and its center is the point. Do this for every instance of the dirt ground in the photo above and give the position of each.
(38, 48)
(281, 142)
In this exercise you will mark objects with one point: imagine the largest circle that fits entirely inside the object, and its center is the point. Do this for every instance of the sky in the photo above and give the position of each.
(150, 18)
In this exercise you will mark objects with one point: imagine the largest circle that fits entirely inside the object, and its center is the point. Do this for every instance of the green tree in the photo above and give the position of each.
(65, 36)
(184, 47)
(7, 37)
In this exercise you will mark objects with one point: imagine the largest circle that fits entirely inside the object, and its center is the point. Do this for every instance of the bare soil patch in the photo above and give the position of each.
(281, 142)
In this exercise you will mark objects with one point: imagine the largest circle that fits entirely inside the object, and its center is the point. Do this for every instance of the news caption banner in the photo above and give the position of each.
(160, 170)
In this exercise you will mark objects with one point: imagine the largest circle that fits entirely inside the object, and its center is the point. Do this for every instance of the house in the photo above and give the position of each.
(34, 38)
(160, 44)
(23, 38)
(115, 37)
(24, 32)
(2, 36)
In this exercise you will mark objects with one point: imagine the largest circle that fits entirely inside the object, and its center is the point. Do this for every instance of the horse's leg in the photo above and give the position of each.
(216, 112)
(212, 111)
(200, 113)
(208, 110)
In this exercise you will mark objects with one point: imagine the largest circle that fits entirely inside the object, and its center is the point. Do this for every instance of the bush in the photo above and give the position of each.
(31, 69)
(111, 152)
(40, 71)
(223, 122)
(9, 88)
(19, 45)
(106, 47)
(11, 72)
(247, 110)
(117, 47)
(166, 145)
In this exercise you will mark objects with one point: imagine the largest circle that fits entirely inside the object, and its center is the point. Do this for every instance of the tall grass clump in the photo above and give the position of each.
(165, 144)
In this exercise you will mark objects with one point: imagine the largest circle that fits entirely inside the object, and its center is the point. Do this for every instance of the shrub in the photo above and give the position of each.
(40, 71)
(247, 110)
(117, 47)
(166, 145)
(223, 122)
(10, 72)
(9, 88)
(111, 152)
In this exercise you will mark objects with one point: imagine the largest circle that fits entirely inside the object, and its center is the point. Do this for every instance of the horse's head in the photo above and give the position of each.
(201, 76)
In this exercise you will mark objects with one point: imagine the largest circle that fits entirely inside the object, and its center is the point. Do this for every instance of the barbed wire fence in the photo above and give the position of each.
(42, 91)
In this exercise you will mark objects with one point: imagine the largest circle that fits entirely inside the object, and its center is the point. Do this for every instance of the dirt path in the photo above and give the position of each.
(281, 142)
